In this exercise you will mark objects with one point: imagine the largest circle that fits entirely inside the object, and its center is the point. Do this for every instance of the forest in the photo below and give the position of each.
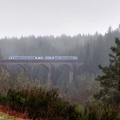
(91, 50)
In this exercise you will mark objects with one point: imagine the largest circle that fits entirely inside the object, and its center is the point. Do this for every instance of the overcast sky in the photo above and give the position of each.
(56, 17)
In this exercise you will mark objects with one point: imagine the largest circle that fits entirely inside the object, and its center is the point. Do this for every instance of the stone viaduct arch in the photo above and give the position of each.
(52, 65)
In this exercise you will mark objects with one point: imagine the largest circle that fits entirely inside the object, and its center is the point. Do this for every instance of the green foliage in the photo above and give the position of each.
(47, 104)
(110, 78)
(41, 103)
(99, 112)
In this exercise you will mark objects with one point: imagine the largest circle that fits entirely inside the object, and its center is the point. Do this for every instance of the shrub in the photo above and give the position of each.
(15, 81)
(41, 103)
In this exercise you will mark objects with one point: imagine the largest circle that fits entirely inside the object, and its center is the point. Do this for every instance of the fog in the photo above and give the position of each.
(83, 28)
(57, 17)
(56, 46)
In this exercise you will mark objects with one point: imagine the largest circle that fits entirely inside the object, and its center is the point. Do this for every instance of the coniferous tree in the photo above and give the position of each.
(110, 78)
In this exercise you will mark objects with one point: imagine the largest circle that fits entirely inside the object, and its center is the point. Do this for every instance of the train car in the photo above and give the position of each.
(25, 58)
(61, 58)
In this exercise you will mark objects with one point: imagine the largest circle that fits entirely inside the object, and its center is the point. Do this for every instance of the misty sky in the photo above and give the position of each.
(56, 17)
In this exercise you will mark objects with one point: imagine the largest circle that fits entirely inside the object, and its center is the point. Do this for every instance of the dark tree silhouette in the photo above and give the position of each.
(110, 78)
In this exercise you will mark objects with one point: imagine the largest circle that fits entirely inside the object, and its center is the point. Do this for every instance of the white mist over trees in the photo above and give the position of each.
(91, 50)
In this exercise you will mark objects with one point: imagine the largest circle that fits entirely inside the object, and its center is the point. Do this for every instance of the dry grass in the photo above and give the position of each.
(4, 116)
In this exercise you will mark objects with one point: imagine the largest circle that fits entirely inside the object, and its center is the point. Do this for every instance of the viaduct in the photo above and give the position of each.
(51, 65)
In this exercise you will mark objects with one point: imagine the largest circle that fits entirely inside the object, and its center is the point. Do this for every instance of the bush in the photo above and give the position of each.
(41, 103)
(15, 81)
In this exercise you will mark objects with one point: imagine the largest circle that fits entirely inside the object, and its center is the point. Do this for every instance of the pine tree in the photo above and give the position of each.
(110, 77)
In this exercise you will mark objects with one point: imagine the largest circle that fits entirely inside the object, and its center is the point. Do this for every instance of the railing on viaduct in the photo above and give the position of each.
(51, 65)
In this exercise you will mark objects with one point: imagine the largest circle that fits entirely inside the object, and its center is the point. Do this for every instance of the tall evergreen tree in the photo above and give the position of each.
(110, 78)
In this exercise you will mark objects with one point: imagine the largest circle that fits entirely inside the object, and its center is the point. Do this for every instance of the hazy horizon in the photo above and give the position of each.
(57, 17)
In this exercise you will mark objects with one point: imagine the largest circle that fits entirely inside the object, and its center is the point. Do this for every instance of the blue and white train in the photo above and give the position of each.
(43, 58)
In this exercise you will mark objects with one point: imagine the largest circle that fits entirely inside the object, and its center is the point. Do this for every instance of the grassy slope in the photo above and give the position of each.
(4, 116)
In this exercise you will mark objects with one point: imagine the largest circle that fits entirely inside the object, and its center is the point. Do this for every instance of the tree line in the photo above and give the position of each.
(36, 102)
(91, 50)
